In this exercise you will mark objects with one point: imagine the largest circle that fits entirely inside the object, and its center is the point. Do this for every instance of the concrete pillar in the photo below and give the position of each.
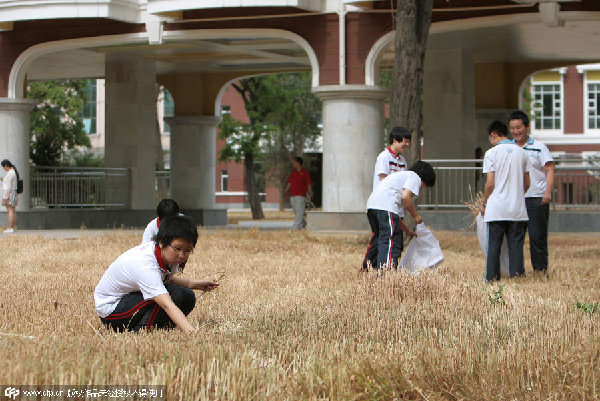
(193, 160)
(353, 124)
(14, 140)
(131, 94)
(449, 128)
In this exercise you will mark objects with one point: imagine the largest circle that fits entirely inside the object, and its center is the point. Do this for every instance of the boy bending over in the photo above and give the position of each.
(385, 210)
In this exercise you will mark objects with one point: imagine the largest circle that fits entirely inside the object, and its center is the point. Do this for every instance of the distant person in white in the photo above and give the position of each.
(391, 160)
(9, 194)
(507, 180)
(385, 210)
(539, 195)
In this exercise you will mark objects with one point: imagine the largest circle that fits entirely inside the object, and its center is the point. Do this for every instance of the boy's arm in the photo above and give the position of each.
(204, 285)
(488, 189)
(405, 228)
(409, 205)
(549, 171)
(176, 315)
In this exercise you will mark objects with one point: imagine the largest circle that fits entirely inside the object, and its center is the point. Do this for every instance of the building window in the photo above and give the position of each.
(168, 110)
(546, 106)
(593, 105)
(90, 107)
(226, 110)
(224, 181)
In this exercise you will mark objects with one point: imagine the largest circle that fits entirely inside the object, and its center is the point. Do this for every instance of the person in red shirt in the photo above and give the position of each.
(299, 185)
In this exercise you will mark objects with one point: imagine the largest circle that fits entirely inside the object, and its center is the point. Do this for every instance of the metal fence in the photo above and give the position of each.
(576, 183)
(80, 187)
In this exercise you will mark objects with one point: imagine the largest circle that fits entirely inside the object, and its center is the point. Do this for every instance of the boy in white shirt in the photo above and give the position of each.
(504, 211)
(391, 160)
(385, 210)
(166, 208)
(140, 288)
(539, 194)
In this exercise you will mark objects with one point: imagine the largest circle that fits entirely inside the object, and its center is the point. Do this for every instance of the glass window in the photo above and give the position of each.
(90, 107)
(593, 103)
(546, 106)
(168, 110)
(224, 181)
(226, 110)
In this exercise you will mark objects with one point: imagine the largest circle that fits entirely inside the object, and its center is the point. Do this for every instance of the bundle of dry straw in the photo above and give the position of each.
(474, 204)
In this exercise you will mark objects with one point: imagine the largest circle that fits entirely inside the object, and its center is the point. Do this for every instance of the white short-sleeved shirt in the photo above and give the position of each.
(388, 194)
(138, 269)
(539, 155)
(509, 163)
(387, 163)
(152, 229)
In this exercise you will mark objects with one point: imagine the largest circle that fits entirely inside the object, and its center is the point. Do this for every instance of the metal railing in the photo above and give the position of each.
(576, 183)
(80, 187)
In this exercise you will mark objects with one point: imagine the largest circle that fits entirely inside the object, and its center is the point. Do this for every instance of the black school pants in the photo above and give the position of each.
(537, 227)
(134, 313)
(386, 242)
(515, 236)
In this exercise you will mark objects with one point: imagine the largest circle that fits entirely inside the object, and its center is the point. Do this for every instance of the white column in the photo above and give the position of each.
(449, 128)
(131, 123)
(14, 140)
(353, 123)
(193, 160)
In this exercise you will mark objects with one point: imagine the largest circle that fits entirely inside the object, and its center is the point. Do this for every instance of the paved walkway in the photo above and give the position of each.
(85, 232)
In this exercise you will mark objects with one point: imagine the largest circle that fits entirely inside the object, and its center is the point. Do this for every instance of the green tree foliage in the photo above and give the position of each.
(296, 122)
(282, 120)
(56, 122)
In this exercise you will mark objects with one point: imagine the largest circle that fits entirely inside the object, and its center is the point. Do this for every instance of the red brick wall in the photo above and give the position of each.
(573, 101)
(320, 31)
(29, 33)
(574, 148)
(362, 31)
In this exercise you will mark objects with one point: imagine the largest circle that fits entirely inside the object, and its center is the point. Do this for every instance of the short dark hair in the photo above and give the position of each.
(167, 208)
(398, 134)
(519, 115)
(299, 160)
(425, 172)
(177, 227)
(498, 127)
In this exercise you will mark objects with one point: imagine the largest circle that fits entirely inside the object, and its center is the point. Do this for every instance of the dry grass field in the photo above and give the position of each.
(295, 320)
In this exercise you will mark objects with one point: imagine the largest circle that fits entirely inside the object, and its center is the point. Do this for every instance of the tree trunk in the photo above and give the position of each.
(413, 19)
(282, 185)
(252, 188)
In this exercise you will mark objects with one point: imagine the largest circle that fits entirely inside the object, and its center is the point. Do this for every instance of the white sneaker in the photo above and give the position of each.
(9, 231)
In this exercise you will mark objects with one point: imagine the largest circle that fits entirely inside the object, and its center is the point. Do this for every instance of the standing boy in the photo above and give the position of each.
(539, 195)
(391, 160)
(299, 185)
(385, 210)
(140, 288)
(507, 180)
